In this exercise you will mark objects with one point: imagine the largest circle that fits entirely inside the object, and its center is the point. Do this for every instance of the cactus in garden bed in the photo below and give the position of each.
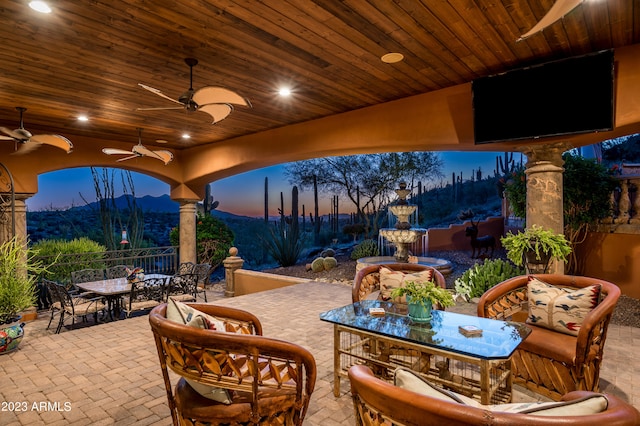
(318, 264)
(329, 263)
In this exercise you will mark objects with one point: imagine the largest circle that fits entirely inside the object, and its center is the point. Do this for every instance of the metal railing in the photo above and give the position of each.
(154, 260)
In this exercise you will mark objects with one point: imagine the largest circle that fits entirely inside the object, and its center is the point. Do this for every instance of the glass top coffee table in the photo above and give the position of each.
(467, 354)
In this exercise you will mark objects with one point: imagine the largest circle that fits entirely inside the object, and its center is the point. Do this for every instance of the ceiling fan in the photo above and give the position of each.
(214, 100)
(29, 142)
(140, 151)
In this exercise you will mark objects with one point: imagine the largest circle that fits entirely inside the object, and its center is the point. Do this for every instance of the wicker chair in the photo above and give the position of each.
(549, 362)
(367, 280)
(378, 402)
(271, 380)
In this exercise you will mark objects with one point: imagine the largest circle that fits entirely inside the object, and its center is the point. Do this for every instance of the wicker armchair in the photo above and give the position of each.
(270, 380)
(549, 362)
(378, 402)
(367, 280)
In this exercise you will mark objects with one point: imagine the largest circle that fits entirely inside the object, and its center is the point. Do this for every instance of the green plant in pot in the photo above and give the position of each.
(421, 297)
(535, 247)
(18, 274)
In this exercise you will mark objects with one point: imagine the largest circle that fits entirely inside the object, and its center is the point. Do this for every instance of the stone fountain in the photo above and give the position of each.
(403, 235)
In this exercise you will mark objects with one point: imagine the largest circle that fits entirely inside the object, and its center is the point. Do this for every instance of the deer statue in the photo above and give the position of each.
(479, 243)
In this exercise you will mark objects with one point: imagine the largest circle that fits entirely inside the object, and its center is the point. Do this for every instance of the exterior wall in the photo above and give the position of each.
(614, 257)
(248, 282)
(453, 237)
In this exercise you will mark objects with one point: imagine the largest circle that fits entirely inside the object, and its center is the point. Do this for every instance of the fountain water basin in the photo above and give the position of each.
(442, 265)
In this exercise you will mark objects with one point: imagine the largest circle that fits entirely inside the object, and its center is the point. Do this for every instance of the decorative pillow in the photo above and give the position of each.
(591, 404)
(560, 309)
(390, 279)
(184, 314)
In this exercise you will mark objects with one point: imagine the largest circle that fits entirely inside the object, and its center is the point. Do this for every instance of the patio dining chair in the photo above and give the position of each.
(203, 271)
(144, 295)
(183, 288)
(87, 275)
(116, 271)
(186, 268)
(68, 304)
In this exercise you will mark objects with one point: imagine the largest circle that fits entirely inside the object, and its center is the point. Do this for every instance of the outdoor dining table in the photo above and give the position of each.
(112, 289)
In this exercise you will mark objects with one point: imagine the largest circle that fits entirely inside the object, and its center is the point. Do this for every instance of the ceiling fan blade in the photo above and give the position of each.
(158, 92)
(54, 140)
(559, 9)
(165, 156)
(13, 134)
(115, 151)
(218, 95)
(158, 109)
(26, 147)
(128, 158)
(217, 111)
(143, 150)
(6, 138)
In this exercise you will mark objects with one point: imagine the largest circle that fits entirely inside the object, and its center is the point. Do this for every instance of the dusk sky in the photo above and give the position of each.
(241, 194)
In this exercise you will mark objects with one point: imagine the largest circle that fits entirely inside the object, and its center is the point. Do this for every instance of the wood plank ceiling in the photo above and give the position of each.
(87, 57)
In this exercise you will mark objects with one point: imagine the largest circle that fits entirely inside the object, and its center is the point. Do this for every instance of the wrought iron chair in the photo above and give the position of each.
(186, 268)
(272, 380)
(203, 271)
(183, 288)
(87, 275)
(549, 362)
(117, 271)
(144, 295)
(67, 304)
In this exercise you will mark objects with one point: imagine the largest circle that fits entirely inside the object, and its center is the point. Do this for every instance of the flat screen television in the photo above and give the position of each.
(569, 96)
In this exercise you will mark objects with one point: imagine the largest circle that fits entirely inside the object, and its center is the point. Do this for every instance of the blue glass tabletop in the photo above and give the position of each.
(497, 339)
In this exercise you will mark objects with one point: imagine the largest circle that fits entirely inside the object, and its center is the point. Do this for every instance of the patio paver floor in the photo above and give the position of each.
(109, 373)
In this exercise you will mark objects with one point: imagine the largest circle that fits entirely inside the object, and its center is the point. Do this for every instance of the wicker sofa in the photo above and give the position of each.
(378, 402)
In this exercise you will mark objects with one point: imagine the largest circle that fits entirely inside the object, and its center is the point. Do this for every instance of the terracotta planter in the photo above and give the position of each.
(10, 335)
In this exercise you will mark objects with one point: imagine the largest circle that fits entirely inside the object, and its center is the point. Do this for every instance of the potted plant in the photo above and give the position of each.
(421, 297)
(18, 273)
(535, 247)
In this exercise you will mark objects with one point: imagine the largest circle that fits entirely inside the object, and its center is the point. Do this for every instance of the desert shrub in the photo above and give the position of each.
(366, 248)
(86, 254)
(476, 280)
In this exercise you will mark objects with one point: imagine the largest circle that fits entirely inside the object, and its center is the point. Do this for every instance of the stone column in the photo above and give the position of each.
(231, 264)
(188, 231)
(544, 190)
(6, 222)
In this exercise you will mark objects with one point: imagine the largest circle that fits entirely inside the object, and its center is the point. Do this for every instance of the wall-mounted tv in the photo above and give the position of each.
(569, 96)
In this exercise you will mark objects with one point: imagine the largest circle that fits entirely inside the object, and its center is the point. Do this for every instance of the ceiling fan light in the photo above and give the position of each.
(40, 6)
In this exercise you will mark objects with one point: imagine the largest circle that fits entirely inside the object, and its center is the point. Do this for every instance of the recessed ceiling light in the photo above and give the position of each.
(186, 136)
(83, 118)
(284, 91)
(40, 6)
(392, 58)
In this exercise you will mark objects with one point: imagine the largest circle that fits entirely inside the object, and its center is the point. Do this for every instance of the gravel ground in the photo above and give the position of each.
(627, 311)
